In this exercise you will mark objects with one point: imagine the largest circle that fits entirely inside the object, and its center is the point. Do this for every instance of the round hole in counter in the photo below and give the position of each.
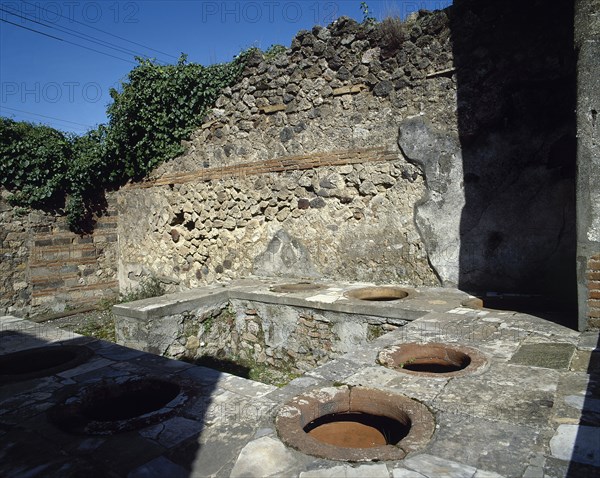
(41, 362)
(377, 294)
(296, 287)
(434, 359)
(112, 407)
(355, 424)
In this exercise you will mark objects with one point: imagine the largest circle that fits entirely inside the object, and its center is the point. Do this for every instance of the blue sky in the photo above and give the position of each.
(46, 76)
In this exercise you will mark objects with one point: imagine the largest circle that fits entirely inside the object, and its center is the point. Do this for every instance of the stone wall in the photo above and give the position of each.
(350, 221)
(587, 31)
(342, 87)
(285, 337)
(473, 186)
(47, 268)
(317, 185)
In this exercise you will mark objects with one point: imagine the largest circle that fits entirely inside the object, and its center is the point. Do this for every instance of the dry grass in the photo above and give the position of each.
(393, 33)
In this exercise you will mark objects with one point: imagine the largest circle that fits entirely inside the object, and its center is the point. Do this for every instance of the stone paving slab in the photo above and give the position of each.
(160, 467)
(430, 465)
(264, 456)
(348, 471)
(546, 355)
(296, 387)
(578, 443)
(589, 341)
(519, 417)
(423, 389)
(484, 443)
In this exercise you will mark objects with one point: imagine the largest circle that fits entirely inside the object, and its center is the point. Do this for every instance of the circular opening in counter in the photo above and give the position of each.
(377, 294)
(41, 362)
(296, 287)
(432, 359)
(355, 424)
(112, 407)
(358, 430)
(113, 403)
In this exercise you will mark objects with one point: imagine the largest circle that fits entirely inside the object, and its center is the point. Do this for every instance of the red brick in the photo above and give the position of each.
(594, 304)
(594, 265)
(287, 163)
(595, 285)
(594, 323)
(593, 276)
(594, 294)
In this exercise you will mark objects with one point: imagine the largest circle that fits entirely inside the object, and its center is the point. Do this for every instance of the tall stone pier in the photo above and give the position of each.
(587, 43)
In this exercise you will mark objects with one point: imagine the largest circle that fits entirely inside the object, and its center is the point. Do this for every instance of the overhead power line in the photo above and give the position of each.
(102, 31)
(2, 107)
(74, 33)
(30, 29)
(67, 41)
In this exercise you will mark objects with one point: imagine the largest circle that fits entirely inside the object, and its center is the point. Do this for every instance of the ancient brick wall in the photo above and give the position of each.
(45, 267)
(593, 280)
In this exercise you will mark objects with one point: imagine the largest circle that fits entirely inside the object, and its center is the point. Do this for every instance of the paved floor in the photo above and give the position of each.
(532, 411)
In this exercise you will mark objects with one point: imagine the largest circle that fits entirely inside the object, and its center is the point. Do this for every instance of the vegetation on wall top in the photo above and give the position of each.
(157, 107)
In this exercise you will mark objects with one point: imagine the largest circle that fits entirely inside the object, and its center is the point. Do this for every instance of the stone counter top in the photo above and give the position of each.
(530, 412)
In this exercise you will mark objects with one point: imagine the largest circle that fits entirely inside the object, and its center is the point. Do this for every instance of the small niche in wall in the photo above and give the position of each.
(178, 219)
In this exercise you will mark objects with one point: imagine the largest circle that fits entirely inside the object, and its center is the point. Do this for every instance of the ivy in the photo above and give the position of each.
(154, 110)
(158, 107)
(33, 163)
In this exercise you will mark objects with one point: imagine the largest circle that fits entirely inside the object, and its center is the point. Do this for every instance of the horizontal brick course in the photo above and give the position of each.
(594, 294)
(58, 263)
(64, 290)
(594, 303)
(593, 276)
(288, 163)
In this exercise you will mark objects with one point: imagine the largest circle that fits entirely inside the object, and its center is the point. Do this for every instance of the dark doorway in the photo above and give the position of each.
(515, 67)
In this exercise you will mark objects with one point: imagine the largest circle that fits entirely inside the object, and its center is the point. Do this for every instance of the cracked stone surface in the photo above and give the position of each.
(263, 457)
(534, 411)
(545, 355)
(348, 471)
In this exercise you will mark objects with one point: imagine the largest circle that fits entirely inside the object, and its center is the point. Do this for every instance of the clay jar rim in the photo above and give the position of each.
(80, 354)
(393, 356)
(371, 294)
(69, 414)
(301, 410)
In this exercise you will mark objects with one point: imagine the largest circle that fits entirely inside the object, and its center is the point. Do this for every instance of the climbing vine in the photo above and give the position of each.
(153, 111)
(158, 107)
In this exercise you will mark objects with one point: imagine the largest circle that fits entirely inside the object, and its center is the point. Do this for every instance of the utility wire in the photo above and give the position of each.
(44, 116)
(68, 31)
(30, 29)
(67, 41)
(102, 31)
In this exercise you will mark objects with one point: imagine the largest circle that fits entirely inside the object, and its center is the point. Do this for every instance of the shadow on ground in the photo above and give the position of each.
(34, 442)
